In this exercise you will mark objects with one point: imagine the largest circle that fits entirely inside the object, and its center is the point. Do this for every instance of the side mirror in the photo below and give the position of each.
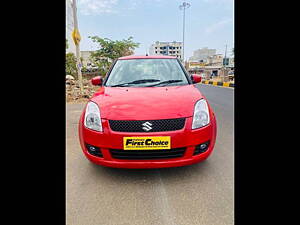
(196, 78)
(97, 81)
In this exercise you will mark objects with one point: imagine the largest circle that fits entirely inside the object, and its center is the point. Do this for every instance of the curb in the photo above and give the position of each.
(215, 83)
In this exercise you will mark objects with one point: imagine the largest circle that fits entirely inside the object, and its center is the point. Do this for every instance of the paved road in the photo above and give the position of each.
(197, 194)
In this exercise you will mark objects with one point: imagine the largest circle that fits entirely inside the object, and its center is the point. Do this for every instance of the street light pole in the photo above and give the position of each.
(77, 46)
(225, 56)
(184, 6)
(224, 65)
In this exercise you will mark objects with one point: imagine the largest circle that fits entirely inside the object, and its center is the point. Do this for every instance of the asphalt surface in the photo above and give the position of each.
(198, 194)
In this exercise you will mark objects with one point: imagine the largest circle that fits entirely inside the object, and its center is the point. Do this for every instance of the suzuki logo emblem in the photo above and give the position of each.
(147, 126)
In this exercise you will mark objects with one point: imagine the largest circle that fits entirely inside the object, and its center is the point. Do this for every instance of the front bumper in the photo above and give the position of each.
(186, 137)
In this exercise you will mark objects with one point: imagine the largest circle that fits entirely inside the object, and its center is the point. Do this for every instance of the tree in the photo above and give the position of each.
(67, 45)
(110, 50)
(71, 64)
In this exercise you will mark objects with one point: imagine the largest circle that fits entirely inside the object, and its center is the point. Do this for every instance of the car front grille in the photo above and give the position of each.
(147, 125)
(147, 154)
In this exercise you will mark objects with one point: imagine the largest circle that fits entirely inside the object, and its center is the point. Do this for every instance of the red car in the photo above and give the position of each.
(147, 113)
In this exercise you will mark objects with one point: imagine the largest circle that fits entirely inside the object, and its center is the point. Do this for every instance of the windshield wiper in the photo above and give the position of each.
(135, 82)
(165, 82)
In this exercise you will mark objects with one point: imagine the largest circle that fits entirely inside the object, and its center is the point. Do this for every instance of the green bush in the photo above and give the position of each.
(84, 69)
(71, 65)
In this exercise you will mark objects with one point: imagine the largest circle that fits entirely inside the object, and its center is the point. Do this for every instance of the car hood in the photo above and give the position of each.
(146, 103)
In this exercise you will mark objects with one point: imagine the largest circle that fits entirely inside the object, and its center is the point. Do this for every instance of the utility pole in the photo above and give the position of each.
(185, 5)
(76, 38)
(225, 56)
(224, 70)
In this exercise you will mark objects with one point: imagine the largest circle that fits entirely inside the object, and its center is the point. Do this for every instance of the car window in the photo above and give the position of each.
(125, 71)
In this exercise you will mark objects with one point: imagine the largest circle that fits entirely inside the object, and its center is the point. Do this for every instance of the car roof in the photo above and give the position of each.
(147, 57)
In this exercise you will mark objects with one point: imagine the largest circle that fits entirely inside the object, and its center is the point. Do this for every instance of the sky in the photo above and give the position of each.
(208, 23)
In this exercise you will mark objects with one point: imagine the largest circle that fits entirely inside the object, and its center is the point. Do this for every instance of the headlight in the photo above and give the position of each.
(201, 114)
(92, 119)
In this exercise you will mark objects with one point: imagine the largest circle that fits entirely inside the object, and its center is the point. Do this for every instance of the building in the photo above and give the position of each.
(215, 60)
(70, 27)
(231, 63)
(206, 62)
(86, 60)
(167, 48)
(202, 54)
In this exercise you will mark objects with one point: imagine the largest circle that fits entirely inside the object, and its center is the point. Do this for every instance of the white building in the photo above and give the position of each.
(87, 60)
(166, 48)
(202, 54)
(215, 60)
(70, 27)
(231, 62)
(86, 57)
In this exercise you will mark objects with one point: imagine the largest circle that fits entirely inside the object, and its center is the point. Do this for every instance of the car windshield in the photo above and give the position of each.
(147, 73)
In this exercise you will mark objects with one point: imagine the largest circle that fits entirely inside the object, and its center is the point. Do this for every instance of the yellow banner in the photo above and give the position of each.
(147, 143)
(196, 64)
(76, 36)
